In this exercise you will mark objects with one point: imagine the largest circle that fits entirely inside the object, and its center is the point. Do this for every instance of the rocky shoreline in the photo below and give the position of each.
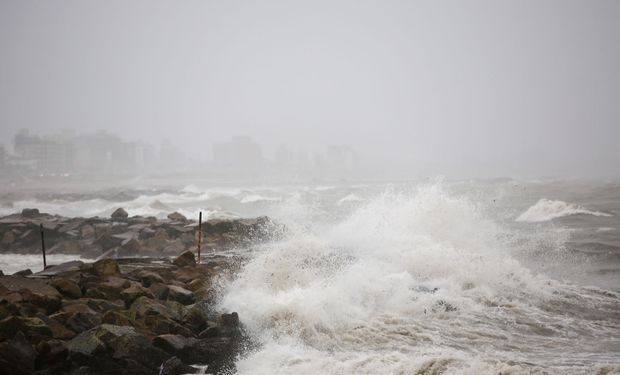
(136, 310)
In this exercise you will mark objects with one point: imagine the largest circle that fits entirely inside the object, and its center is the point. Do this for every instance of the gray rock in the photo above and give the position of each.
(175, 216)
(187, 259)
(180, 295)
(30, 212)
(119, 214)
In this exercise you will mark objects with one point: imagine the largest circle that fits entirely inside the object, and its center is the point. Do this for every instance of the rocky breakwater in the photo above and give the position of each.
(123, 236)
(126, 316)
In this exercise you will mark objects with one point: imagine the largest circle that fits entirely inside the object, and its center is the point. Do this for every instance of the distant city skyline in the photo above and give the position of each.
(69, 151)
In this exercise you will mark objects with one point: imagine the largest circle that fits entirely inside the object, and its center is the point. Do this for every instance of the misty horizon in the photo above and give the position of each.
(476, 89)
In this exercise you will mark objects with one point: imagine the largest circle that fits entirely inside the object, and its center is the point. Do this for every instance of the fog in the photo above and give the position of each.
(399, 89)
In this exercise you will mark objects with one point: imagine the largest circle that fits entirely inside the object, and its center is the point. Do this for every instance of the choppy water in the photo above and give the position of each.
(436, 277)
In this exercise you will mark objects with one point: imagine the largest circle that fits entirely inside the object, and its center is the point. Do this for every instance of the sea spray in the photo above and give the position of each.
(405, 279)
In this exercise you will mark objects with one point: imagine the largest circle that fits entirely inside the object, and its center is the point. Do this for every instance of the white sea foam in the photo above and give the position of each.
(384, 291)
(350, 199)
(547, 209)
(252, 198)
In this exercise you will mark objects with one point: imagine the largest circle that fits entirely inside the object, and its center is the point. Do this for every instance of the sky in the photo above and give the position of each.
(459, 88)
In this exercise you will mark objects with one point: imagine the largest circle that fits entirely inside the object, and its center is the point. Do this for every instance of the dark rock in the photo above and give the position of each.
(229, 320)
(67, 288)
(174, 344)
(34, 292)
(174, 366)
(50, 353)
(118, 318)
(59, 331)
(84, 346)
(119, 214)
(30, 212)
(7, 308)
(17, 357)
(78, 320)
(175, 216)
(187, 259)
(134, 292)
(106, 267)
(67, 267)
(181, 295)
(31, 327)
(26, 272)
(148, 278)
(159, 290)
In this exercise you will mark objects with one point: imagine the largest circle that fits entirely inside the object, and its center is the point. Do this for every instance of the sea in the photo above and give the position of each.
(433, 276)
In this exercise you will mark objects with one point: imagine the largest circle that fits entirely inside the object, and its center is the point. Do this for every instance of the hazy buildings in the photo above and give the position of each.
(238, 154)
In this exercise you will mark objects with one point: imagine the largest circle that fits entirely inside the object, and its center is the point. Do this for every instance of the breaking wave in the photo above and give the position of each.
(547, 209)
(416, 282)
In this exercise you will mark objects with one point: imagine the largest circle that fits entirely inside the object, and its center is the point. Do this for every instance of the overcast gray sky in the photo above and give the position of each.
(493, 88)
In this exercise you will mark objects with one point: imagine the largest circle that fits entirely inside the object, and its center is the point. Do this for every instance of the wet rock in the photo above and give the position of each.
(134, 292)
(119, 214)
(118, 318)
(174, 366)
(159, 290)
(26, 272)
(84, 346)
(174, 344)
(175, 216)
(67, 288)
(181, 295)
(187, 259)
(106, 267)
(34, 292)
(148, 278)
(64, 268)
(78, 320)
(7, 308)
(50, 353)
(17, 356)
(31, 327)
(229, 320)
(30, 212)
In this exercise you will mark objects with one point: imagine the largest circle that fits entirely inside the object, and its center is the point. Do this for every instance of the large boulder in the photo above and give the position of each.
(30, 213)
(119, 214)
(187, 259)
(33, 292)
(180, 295)
(106, 267)
(31, 327)
(174, 366)
(175, 216)
(67, 288)
(17, 356)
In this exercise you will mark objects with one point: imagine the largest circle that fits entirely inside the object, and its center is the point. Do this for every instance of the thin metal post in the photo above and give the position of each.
(199, 234)
(43, 246)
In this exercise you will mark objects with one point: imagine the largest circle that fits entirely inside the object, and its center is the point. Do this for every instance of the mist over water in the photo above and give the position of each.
(330, 117)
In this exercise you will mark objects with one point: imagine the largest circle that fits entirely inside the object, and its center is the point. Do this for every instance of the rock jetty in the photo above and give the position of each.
(122, 236)
(146, 306)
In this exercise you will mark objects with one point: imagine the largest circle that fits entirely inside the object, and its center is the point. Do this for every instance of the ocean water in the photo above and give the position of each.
(432, 277)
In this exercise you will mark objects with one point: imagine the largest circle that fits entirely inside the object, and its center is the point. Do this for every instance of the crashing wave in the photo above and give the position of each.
(547, 209)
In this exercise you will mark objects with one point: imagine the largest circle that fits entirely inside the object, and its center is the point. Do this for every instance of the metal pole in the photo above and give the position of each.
(43, 246)
(199, 234)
